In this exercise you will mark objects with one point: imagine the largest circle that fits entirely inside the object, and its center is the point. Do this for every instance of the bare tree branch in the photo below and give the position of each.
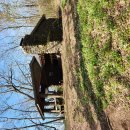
(14, 27)
(41, 124)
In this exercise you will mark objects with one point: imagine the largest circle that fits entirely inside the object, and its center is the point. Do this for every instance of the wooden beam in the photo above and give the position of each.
(51, 110)
(53, 104)
(42, 95)
(49, 103)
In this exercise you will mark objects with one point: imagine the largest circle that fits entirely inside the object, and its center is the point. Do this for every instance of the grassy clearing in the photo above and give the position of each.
(105, 51)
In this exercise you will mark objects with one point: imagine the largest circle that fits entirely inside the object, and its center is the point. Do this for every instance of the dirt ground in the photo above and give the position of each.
(114, 117)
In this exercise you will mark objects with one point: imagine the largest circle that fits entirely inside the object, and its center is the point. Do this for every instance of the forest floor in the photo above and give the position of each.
(96, 65)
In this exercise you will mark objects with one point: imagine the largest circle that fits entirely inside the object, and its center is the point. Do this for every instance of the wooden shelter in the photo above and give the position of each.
(46, 34)
(47, 71)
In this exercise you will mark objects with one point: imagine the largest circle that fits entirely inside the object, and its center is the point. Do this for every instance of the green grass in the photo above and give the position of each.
(104, 49)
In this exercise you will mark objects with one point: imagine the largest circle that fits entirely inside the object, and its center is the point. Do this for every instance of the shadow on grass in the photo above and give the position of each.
(91, 98)
(95, 101)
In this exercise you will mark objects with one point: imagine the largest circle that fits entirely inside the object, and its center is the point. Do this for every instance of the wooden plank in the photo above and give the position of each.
(42, 95)
(51, 110)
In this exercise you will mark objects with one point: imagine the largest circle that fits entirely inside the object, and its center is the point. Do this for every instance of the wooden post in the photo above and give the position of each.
(55, 103)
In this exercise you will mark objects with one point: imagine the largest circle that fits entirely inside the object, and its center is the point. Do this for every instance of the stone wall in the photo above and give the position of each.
(51, 47)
